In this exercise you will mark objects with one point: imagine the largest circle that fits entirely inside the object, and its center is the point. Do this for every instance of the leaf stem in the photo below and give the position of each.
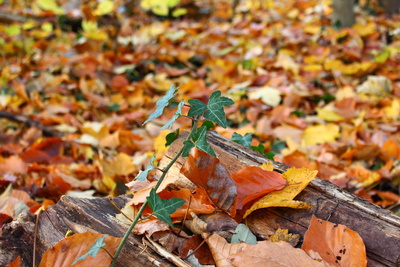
(139, 214)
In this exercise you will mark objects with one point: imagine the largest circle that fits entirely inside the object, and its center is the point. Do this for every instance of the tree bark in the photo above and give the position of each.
(379, 228)
(343, 13)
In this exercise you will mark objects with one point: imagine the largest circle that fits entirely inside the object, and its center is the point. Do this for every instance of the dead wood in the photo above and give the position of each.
(79, 215)
(379, 228)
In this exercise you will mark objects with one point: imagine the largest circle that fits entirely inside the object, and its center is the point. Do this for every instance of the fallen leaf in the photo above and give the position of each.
(297, 180)
(335, 243)
(320, 134)
(207, 172)
(283, 235)
(65, 252)
(254, 182)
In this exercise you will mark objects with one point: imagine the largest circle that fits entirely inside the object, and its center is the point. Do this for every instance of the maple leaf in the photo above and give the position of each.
(162, 103)
(163, 208)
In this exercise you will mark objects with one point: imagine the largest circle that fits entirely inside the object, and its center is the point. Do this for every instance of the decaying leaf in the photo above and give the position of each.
(207, 172)
(265, 253)
(71, 248)
(336, 244)
(283, 235)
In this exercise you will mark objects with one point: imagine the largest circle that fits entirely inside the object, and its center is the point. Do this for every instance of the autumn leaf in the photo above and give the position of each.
(69, 250)
(335, 243)
(297, 180)
(264, 253)
(253, 182)
(207, 172)
(197, 202)
(163, 208)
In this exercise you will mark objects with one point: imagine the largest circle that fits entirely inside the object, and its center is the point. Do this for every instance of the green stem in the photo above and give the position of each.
(139, 214)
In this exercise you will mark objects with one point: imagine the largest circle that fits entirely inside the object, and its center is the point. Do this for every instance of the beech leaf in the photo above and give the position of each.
(335, 243)
(177, 114)
(163, 208)
(207, 172)
(162, 103)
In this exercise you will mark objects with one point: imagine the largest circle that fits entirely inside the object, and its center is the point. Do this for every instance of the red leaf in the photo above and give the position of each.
(254, 182)
(207, 172)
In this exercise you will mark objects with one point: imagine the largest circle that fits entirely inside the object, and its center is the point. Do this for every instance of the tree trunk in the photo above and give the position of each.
(343, 13)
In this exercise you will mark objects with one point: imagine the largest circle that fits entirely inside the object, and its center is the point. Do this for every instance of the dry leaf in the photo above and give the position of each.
(297, 180)
(335, 243)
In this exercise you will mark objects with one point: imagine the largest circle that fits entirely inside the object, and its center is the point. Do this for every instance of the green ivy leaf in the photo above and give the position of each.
(259, 148)
(215, 108)
(270, 155)
(93, 249)
(177, 114)
(197, 108)
(162, 103)
(208, 124)
(171, 137)
(143, 174)
(243, 234)
(243, 140)
(187, 146)
(201, 141)
(163, 208)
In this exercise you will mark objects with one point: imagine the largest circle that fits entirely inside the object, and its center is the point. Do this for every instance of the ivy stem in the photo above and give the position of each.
(139, 214)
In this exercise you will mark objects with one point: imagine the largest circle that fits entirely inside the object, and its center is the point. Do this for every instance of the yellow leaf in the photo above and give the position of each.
(287, 63)
(319, 134)
(96, 129)
(312, 67)
(312, 29)
(29, 25)
(365, 30)
(13, 30)
(297, 180)
(172, 3)
(88, 25)
(161, 9)
(104, 8)
(96, 35)
(50, 5)
(47, 27)
(119, 165)
(267, 166)
(329, 114)
(179, 12)
(333, 64)
(283, 235)
(267, 94)
(393, 111)
(159, 144)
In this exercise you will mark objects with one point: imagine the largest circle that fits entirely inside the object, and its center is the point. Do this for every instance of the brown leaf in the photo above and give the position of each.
(207, 172)
(335, 243)
(65, 252)
(202, 253)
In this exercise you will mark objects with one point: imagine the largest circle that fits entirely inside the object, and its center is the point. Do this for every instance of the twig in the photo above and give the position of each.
(112, 202)
(32, 123)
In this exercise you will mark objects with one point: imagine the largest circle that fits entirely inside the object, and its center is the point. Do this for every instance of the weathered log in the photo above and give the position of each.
(79, 215)
(379, 228)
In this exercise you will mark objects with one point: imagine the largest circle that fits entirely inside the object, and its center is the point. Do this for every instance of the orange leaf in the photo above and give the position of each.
(254, 182)
(65, 252)
(207, 172)
(199, 202)
(335, 243)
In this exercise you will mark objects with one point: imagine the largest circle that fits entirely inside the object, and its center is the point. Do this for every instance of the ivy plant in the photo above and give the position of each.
(207, 113)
